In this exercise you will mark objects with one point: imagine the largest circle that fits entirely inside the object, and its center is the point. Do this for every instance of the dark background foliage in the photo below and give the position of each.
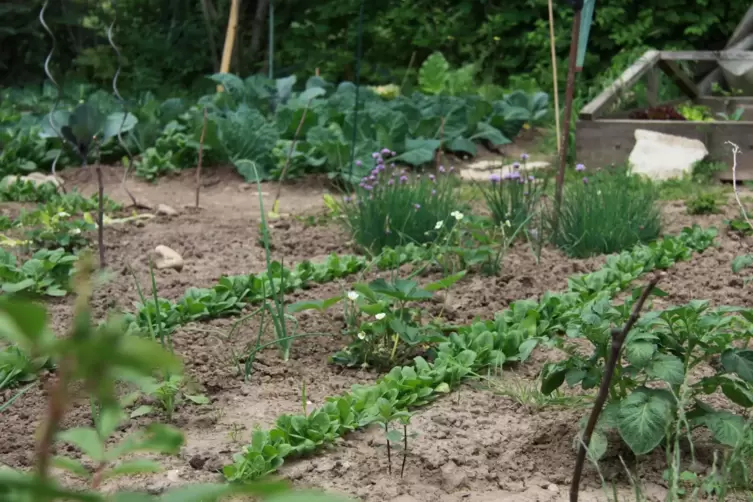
(172, 44)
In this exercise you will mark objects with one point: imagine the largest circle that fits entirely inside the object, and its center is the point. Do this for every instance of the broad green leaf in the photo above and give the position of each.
(418, 151)
(320, 305)
(639, 353)
(15, 287)
(86, 122)
(598, 446)
(23, 322)
(727, 427)
(394, 435)
(118, 122)
(739, 362)
(666, 367)
(737, 390)
(130, 467)
(643, 419)
(109, 419)
(462, 144)
(445, 282)
(85, 439)
(60, 118)
(197, 398)
(552, 377)
(311, 93)
(433, 73)
(230, 83)
(71, 465)
(488, 132)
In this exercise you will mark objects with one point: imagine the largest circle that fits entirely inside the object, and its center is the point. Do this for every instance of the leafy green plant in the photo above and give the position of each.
(46, 273)
(22, 151)
(705, 170)
(57, 230)
(168, 393)
(27, 191)
(18, 367)
(605, 213)
(435, 76)
(660, 351)
(152, 164)
(704, 203)
(390, 208)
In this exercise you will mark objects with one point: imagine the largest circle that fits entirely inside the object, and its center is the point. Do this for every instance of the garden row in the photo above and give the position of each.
(269, 126)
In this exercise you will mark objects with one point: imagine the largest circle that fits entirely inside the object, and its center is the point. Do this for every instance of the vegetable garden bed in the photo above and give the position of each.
(496, 440)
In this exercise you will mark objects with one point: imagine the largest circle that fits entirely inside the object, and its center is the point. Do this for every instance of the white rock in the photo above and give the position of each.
(168, 258)
(166, 210)
(481, 170)
(664, 156)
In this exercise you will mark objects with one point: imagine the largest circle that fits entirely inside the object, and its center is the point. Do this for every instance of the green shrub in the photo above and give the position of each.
(391, 207)
(513, 196)
(608, 212)
(704, 203)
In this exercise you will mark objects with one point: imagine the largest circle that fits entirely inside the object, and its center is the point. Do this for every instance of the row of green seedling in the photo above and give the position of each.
(469, 351)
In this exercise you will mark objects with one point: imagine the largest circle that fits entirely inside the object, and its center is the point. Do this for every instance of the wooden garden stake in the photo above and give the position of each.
(618, 340)
(232, 29)
(552, 44)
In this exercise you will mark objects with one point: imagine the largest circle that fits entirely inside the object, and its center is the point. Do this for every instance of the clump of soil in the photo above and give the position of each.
(657, 113)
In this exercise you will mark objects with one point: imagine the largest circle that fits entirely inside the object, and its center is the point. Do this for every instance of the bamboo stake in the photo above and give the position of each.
(554, 77)
(232, 29)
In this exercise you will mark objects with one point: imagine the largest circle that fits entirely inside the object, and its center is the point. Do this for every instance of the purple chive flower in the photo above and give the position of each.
(495, 178)
(392, 165)
(372, 178)
(375, 155)
(385, 151)
(441, 169)
(452, 168)
(368, 188)
(580, 167)
(375, 171)
(516, 165)
(346, 199)
(432, 177)
(531, 178)
(417, 206)
(359, 163)
(391, 182)
(524, 157)
(403, 179)
(507, 176)
(515, 175)
(585, 180)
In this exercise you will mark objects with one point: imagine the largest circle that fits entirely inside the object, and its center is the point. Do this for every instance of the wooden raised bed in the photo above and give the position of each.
(602, 139)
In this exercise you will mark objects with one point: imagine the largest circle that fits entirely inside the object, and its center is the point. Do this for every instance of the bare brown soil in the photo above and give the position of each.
(473, 445)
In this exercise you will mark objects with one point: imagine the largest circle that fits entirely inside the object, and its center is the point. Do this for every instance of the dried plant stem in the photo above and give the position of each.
(389, 449)
(405, 449)
(618, 339)
(101, 215)
(201, 157)
(735, 152)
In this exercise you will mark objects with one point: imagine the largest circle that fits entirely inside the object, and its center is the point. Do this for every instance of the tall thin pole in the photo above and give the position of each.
(555, 78)
(271, 44)
(569, 94)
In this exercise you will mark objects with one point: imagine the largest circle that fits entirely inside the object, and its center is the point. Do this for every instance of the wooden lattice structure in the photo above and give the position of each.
(603, 138)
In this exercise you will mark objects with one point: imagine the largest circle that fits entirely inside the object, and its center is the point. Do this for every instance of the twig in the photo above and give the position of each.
(201, 156)
(389, 449)
(405, 448)
(735, 151)
(618, 339)
(290, 154)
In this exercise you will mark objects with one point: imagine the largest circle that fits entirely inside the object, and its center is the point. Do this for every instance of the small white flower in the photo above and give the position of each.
(352, 296)
(507, 223)
(438, 225)
(598, 192)
(457, 215)
(380, 316)
(75, 231)
(361, 335)
(63, 214)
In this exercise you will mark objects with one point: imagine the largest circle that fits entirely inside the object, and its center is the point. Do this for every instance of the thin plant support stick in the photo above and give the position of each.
(407, 72)
(618, 339)
(735, 152)
(201, 158)
(405, 449)
(552, 44)
(100, 215)
(232, 28)
(569, 91)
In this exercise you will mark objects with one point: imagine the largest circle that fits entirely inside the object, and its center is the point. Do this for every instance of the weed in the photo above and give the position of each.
(513, 197)
(391, 208)
(704, 203)
(605, 213)
(704, 171)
